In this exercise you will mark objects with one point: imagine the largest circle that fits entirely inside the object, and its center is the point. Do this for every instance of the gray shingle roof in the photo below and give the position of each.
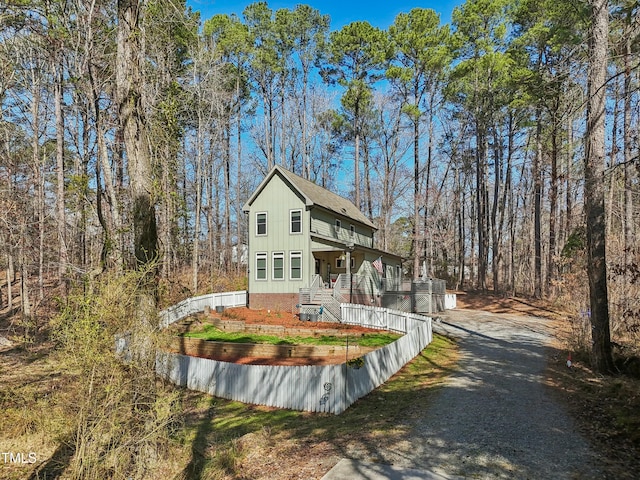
(315, 195)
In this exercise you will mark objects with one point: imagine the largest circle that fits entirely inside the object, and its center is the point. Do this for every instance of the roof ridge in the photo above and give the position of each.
(318, 196)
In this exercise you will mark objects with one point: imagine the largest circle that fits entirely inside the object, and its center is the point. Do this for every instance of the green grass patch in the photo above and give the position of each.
(376, 340)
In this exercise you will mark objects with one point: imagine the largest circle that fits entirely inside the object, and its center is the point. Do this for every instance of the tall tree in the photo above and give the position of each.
(131, 114)
(309, 30)
(265, 68)
(421, 49)
(477, 84)
(231, 43)
(300, 41)
(356, 57)
(547, 34)
(170, 31)
(594, 186)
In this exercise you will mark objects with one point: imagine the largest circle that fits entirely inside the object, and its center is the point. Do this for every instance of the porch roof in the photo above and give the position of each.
(333, 244)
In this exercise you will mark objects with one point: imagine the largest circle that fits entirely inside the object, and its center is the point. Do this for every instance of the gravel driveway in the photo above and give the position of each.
(494, 418)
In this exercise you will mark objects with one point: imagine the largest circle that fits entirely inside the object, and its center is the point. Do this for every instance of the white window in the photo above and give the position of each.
(338, 225)
(295, 265)
(261, 223)
(295, 225)
(341, 262)
(352, 230)
(278, 266)
(261, 265)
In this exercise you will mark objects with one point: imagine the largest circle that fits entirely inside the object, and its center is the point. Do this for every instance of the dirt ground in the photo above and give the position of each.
(502, 304)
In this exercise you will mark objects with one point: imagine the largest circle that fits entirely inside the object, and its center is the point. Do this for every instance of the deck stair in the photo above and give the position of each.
(328, 298)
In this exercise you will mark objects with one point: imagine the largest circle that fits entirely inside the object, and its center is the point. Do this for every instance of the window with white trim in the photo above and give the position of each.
(341, 262)
(338, 225)
(295, 265)
(261, 223)
(295, 225)
(261, 265)
(278, 266)
(352, 230)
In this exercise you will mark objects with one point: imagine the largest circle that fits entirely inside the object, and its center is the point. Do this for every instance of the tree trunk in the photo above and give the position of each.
(367, 181)
(60, 197)
(113, 243)
(356, 169)
(131, 116)
(460, 204)
(553, 207)
(537, 208)
(629, 231)
(195, 251)
(506, 193)
(24, 287)
(594, 187)
(417, 234)
(495, 231)
(239, 213)
(227, 196)
(569, 185)
(38, 168)
(427, 182)
(481, 205)
(10, 276)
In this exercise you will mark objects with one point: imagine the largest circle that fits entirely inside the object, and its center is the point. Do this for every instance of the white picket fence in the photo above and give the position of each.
(331, 388)
(194, 305)
(450, 301)
(378, 317)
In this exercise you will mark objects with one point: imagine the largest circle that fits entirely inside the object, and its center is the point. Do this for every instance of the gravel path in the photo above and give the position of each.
(494, 418)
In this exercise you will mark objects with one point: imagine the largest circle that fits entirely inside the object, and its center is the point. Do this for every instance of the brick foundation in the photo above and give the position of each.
(284, 302)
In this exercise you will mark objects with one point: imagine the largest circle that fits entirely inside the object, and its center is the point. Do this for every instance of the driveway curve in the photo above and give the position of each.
(494, 418)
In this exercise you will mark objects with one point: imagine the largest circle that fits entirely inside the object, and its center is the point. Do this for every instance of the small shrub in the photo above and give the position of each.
(121, 414)
(356, 363)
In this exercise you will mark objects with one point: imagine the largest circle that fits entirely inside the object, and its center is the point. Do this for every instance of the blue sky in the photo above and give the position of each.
(379, 13)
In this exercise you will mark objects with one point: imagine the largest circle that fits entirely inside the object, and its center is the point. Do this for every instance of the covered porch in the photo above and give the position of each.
(345, 272)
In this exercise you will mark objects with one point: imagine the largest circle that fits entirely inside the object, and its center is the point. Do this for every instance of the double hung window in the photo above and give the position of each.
(261, 223)
(295, 225)
(295, 265)
(278, 266)
(261, 265)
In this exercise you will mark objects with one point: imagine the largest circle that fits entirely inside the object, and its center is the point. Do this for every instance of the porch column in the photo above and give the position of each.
(349, 263)
(349, 274)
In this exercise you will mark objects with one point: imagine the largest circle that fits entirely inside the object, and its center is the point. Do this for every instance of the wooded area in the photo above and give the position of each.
(491, 149)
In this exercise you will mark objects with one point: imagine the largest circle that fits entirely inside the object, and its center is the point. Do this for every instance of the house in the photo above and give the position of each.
(309, 245)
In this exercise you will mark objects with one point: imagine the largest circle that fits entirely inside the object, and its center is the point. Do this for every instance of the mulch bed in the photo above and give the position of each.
(285, 319)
